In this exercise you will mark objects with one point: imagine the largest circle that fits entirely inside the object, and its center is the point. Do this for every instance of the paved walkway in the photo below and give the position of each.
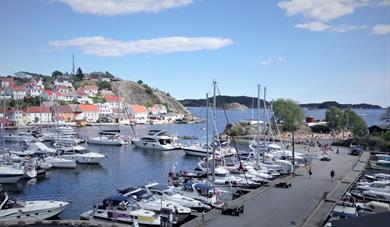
(288, 207)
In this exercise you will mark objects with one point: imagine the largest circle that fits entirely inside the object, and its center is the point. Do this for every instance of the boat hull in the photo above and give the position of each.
(16, 215)
(10, 178)
(153, 146)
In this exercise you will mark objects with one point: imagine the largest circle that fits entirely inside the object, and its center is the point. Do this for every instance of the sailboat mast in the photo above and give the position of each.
(264, 106)
(214, 130)
(40, 114)
(258, 125)
(207, 135)
(4, 120)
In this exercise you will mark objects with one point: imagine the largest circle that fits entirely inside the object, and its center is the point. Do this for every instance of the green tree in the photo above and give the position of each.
(336, 119)
(140, 82)
(290, 113)
(79, 75)
(386, 116)
(292, 116)
(359, 127)
(104, 85)
(56, 73)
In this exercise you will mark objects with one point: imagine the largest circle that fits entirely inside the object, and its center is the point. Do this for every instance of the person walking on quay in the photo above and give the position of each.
(332, 173)
(310, 173)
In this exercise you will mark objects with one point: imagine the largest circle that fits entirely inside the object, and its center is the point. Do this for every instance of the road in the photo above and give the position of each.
(290, 207)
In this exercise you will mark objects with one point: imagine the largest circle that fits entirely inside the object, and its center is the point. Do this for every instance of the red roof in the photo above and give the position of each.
(36, 109)
(89, 108)
(18, 88)
(91, 87)
(138, 108)
(80, 92)
(62, 87)
(49, 92)
(112, 98)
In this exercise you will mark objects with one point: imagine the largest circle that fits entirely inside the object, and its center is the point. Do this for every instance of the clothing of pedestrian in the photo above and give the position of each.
(310, 173)
(332, 174)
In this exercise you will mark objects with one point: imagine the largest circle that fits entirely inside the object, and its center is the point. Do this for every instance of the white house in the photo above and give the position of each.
(37, 114)
(113, 101)
(87, 112)
(159, 109)
(65, 96)
(105, 108)
(64, 82)
(34, 88)
(138, 113)
(84, 99)
(16, 92)
(91, 90)
(22, 75)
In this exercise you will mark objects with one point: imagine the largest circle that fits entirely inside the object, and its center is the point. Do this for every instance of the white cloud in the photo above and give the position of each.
(117, 7)
(313, 26)
(319, 10)
(348, 28)
(102, 46)
(381, 29)
(272, 60)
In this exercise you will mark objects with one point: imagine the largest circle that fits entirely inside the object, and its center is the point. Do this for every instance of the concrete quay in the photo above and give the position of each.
(306, 203)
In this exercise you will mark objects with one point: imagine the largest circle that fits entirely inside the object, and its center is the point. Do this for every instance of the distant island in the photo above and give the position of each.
(251, 102)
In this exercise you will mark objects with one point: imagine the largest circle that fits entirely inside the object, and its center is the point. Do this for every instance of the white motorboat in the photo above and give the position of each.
(10, 175)
(80, 155)
(14, 210)
(383, 157)
(172, 194)
(373, 207)
(149, 202)
(156, 140)
(381, 186)
(378, 176)
(124, 210)
(372, 195)
(107, 138)
(380, 164)
(41, 148)
(58, 162)
(224, 178)
(201, 192)
(202, 150)
(21, 136)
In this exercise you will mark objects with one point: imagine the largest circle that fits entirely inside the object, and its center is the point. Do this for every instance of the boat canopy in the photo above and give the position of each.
(115, 200)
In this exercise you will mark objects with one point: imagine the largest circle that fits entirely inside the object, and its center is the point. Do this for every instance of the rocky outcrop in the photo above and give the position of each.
(235, 106)
(134, 93)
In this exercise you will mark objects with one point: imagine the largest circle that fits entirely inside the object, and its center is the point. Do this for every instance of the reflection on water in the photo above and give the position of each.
(124, 166)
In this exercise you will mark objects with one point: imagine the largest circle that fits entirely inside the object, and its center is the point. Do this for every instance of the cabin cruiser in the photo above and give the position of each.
(203, 150)
(172, 194)
(380, 164)
(378, 176)
(223, 178)
(201, 192)
(150, 202)
(21, 136)
(372, 207)
(107, 138)
(383, 157)
(58, 162)
(10, 174)
(124, 210)
(372, 195)
(382, 186)
(80, 155)
(156, 140)
(14, 210)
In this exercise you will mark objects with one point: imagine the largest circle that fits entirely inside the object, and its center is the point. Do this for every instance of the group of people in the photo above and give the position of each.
(332, 173)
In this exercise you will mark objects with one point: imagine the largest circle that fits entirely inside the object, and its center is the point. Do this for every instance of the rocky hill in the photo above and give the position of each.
(235, 106)
(145, 95)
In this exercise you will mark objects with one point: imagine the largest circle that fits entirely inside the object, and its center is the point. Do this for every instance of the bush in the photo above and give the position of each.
(320, 129)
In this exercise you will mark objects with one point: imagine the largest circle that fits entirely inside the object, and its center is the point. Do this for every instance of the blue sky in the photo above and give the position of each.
(308, 51)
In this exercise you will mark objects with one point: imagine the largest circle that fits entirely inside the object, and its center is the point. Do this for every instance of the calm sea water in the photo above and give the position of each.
(129, 166)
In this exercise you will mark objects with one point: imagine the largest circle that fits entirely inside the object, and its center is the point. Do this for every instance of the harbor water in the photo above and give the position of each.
(129, 166)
